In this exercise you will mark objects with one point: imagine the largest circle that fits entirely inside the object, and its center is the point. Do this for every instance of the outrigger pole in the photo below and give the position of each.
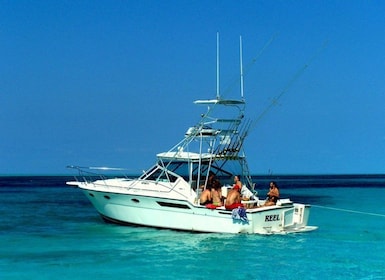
(247, 67)
(218, 96)
(241, 64)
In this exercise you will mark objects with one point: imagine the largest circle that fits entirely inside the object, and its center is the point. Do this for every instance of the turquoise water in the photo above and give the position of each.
(50, 231)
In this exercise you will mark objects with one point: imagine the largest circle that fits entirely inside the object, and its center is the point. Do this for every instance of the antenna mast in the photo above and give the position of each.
(241, 64)
(218, 65)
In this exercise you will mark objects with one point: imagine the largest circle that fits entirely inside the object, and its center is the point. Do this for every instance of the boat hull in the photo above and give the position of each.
(182, 215)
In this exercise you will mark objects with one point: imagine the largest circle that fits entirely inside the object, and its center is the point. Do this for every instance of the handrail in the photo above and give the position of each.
(90, 176)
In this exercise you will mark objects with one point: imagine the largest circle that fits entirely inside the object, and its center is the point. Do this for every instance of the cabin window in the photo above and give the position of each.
(161, 175)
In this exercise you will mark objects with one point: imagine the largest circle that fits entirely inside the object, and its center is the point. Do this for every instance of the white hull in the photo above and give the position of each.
(121, 205)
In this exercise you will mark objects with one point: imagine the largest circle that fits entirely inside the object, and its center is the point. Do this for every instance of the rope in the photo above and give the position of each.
(350, 211)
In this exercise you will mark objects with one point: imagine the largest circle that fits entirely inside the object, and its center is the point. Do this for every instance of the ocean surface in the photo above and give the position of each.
(50, 231)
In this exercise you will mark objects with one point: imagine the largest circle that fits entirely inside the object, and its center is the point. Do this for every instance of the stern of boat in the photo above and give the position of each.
(296, 219)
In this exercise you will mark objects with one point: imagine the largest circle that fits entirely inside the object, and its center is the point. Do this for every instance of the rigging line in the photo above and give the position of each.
(275, 100)
(350, 211)
(254, 60)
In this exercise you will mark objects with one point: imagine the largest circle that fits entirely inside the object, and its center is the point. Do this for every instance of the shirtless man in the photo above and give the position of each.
(233, 199)
(272, 195)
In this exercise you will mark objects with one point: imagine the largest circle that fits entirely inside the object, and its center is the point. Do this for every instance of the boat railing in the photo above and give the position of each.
(91, 174)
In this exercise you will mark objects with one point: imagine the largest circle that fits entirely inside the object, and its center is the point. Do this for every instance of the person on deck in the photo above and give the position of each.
(205, 197)
(237, 181)
(233, 199)
(272, 195)
(216, 193)
(210, 180)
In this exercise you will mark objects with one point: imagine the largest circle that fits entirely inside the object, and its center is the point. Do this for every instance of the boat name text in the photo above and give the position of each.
(271, 218)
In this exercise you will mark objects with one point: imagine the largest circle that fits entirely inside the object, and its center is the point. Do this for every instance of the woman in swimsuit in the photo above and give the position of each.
(216, 193)
(205, 197)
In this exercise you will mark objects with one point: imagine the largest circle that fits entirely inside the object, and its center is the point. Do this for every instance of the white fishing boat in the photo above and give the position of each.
(167, 195)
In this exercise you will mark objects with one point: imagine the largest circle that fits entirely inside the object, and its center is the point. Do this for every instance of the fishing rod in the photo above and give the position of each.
(243, 134)
(228, 139)
(235, 145)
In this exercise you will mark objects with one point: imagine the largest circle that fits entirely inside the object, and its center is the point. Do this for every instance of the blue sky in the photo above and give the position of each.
(111, 83)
